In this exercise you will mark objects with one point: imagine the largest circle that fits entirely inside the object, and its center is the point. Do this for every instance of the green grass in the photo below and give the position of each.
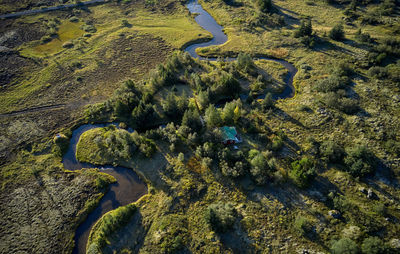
(67, 32)
(177, 30)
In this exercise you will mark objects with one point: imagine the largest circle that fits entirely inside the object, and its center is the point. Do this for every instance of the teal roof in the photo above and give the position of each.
(228, 133)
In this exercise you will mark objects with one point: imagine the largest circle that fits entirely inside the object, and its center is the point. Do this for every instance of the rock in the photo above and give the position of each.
(335, 214)
(352, 232)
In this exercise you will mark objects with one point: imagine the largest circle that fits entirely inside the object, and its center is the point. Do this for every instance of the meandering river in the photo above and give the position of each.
(129, 187)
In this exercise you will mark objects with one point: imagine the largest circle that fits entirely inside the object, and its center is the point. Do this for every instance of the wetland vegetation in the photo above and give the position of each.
(94, 97)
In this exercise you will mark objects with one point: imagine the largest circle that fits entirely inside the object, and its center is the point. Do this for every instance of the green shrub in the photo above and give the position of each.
(330, 84)
(264, 5)
(268, 102)
(380, 209)
(45, 39)
(332, 151)
(373, 245)
(359, 161)
(225, 85)
(305, 29)
(260, 168)
(88, 28)
(337, 32)
(378, 72)
(146, 146)
(105, 146)
(191, 119)
(344, 246)
(125, 23)
(221, 216)
(245, 62)
(364, 37)
(302, 172)
(302, 225)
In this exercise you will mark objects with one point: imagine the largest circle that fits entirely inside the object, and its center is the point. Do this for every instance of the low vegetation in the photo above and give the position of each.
(317, 172)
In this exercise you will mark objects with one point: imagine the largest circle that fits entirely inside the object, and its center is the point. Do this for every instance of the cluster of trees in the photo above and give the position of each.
(167, 74)
(305, 33)
(265, 15)
(358, 160)
(116, 144)
(174, 106)
(333, 87)
(370, 245)
(228, 115)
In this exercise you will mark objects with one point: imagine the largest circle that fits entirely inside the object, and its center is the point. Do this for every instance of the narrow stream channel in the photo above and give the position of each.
(206, 21)
(129, 187)
(126, 190)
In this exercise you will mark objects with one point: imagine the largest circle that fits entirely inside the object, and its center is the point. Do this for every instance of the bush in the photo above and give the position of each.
(89, 28)
(245, 62)
(302, 172)
(302, 226)
(305, 29)
(359, 161)
(125, 23)
(378, 72)
(332, 151)
(260, 168)
(364, 37)
(145, 145)
(330, 84)
(221, 216)
(373, 245)
(264, 5)
(45, 39)
(268, 102)
(226, 85)
(337, 32)
(344, 246)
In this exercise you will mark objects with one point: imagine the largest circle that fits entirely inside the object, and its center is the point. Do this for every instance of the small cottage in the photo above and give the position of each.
(230, 135)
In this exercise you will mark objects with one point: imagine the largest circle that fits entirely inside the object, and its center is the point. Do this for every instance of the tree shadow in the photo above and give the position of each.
(383, 175)
(234, 241)
(282, 115)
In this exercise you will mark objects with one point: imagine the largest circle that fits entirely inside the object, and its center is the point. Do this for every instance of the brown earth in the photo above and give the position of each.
(41, 216)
